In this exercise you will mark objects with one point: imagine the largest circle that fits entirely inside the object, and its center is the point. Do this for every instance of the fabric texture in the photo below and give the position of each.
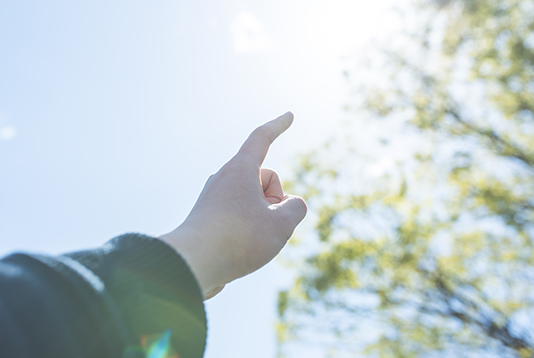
(132, 297)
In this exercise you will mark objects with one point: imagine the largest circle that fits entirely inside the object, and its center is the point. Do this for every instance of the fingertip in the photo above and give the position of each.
(277, 126)
(289, 114)
(280, 124)
(258, 142)
(288, 117)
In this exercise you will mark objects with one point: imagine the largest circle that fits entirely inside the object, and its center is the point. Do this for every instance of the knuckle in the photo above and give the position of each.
(302, 205)
(211, 178)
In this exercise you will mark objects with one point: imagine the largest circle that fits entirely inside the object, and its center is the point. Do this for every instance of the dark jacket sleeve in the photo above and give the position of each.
(133, 297)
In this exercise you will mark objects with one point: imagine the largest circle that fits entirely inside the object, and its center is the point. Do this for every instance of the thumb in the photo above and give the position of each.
(290, 213)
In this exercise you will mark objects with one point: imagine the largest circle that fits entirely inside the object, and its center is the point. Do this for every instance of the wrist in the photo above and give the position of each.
(201, 259)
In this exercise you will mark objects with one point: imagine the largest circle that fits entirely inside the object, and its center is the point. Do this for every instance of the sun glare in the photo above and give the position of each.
(338, 27)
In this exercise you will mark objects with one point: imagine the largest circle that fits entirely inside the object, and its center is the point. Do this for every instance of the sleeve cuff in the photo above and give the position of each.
(155, 291)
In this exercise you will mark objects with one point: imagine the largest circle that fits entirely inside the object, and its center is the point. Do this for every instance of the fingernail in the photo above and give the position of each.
(288, 114)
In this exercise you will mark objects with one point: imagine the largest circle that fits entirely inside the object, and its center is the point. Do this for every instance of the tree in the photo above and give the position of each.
(425, 240)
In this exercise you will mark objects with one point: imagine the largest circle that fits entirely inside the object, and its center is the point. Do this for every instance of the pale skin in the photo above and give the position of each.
(242, 218)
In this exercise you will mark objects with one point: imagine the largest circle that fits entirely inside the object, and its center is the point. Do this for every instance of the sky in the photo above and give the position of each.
(114, 114)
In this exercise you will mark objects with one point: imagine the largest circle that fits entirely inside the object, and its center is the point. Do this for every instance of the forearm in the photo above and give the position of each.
(101, 302)
(44, 313)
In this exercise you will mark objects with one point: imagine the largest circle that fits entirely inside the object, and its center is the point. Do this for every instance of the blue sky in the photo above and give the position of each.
(114, 114)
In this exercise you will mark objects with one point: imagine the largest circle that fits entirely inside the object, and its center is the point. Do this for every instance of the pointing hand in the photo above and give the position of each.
(242, 218)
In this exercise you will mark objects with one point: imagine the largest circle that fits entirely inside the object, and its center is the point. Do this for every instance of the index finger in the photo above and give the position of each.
(258, 142)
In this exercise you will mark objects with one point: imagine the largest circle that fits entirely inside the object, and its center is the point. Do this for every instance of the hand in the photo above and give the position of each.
(242, 218)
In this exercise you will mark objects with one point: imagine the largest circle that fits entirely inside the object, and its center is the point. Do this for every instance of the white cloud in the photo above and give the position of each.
(7, 132)
(249, 34)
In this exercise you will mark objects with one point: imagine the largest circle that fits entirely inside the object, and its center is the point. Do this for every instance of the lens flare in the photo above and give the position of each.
(158, 346)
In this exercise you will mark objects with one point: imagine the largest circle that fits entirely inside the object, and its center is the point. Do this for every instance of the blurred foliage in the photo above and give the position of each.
(432, 254)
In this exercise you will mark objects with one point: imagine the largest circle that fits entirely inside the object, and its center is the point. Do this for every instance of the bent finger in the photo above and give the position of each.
(272, 187)
(289, 213)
